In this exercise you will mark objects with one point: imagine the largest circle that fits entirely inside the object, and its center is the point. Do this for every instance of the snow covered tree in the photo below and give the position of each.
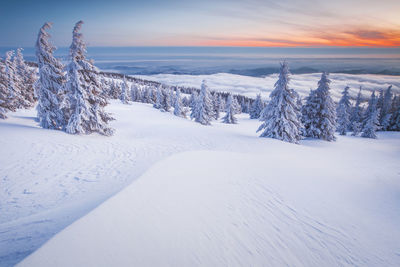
(236, 105)
(84, 94)
(384, 118)
(203, 111)
(319, 115)
(140, 94)
(256, 108)
(134, 92)
(230, 111)
(6, 95)
(343, 112)
(379, 103)
(371, 119)
(148, 94)
(50, 86)
(159, 98)
(395, 111)
(166, 100)
(153, 93)
(26, 79)
(244, 105)
(115, 90)
(192, 100)
(221, 103)
(356, 115)
(281, 116)
(309, 113)
(13, 82)
(105, 87)
(124, 92)
(178, 109)
(171, 95)
(248, 106)
(185, 101)
(217, 105)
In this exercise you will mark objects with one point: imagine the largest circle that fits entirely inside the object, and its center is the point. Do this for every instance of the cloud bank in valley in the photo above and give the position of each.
(302, 83)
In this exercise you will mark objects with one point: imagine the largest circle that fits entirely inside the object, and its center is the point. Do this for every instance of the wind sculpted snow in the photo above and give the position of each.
(193, 210)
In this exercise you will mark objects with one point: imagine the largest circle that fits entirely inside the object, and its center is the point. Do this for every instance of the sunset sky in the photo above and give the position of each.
(206, 22)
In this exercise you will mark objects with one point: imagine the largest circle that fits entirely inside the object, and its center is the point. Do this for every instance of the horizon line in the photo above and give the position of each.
(222, 46)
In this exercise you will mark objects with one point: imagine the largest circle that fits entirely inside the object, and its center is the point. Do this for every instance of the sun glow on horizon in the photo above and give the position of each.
(247, 23)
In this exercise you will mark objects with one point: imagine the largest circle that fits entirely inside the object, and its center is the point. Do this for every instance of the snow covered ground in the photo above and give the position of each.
(233, 199)
(302, 83)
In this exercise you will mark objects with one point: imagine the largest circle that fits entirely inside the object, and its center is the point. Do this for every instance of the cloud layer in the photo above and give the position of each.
(302, 83)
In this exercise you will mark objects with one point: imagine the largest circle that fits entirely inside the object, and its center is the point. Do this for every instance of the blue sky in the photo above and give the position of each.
(209, 23)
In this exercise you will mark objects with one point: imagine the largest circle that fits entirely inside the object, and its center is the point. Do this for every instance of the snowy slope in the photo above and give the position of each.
(318, 204)
(49, 179)
(302, 83)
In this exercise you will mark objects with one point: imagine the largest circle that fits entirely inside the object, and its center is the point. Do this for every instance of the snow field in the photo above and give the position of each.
(206, 208)
(49, 179)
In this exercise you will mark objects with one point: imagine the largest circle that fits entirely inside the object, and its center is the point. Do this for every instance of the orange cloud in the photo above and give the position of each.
(354, 37)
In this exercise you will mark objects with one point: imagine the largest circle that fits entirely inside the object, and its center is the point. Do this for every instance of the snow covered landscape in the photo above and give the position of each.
(193, 144)
(229, 200)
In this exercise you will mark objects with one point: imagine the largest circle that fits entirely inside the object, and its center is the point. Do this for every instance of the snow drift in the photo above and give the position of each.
(303, 206)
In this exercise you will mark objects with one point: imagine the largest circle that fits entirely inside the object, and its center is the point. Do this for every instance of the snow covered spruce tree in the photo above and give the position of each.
(230, 111)
(256, 108)
(395, 118)
(6, 101)
(134, 92)
(50, 86)
(371, 119)
(166, 100)
(152, 94)
(281, 116)
(13, 82)
(159, 98)
(384, 117)
(217, 105)
(124, 92)
(106, 86)
(236, 105)
(319, 115)
(379, 102)
(140, 94)
(343, 112)
(147, 95)
(221, 103)
(178, 109)
(203, 111)
(115, 90)
(26, 79)
(356, 115)
(84, 94)
(192, 100)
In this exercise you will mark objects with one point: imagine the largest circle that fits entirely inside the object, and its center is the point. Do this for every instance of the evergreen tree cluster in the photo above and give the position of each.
(17, 82)
(320, 117)
(381, 114)
(70, 98)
